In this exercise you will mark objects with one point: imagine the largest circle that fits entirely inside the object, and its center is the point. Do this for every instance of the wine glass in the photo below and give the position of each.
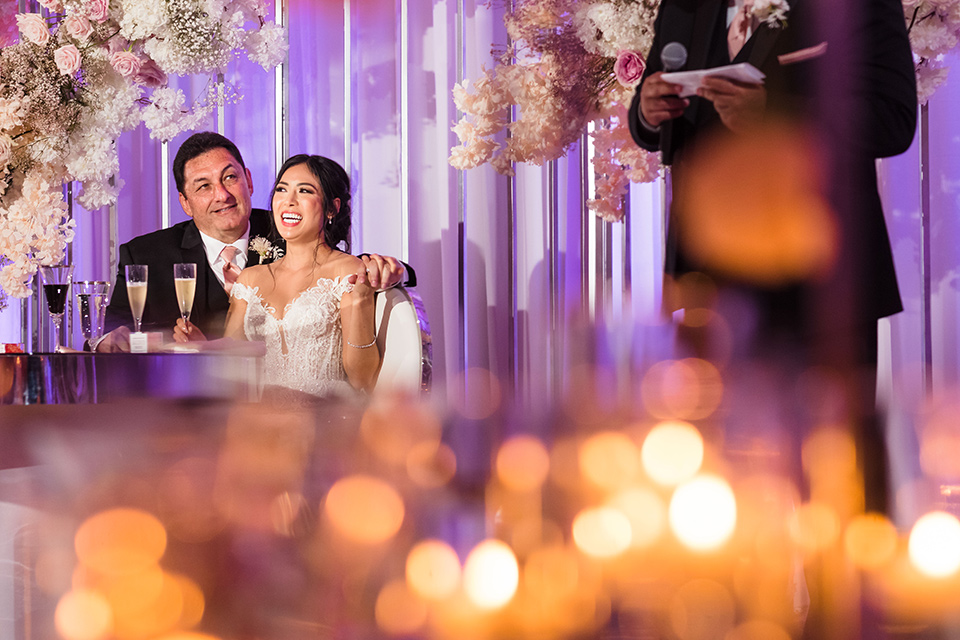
(56, 284)
(137, 292)
(92, 297)
(185, 281)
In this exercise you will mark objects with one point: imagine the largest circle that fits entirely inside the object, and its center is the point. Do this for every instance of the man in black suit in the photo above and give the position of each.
(215, 190)
(841, 73)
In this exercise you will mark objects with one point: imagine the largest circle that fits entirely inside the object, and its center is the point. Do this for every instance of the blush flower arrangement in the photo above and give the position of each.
(83, 72)
(572, 64)
(934, 27)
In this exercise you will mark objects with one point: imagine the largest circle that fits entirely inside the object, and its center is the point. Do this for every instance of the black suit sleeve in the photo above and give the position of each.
(643, 136)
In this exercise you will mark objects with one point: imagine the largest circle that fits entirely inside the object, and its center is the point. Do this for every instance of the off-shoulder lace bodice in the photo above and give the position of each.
(304, 345)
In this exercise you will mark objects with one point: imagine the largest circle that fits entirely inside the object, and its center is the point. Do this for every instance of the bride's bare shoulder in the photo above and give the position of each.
(255, 275)
(344, 264)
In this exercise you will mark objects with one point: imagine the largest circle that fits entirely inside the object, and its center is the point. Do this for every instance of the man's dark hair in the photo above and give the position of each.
(198, 144)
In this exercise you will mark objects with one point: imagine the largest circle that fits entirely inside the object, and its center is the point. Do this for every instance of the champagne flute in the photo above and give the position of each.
(137, 292)
(56, 284)
(185, 281)
(92, 297)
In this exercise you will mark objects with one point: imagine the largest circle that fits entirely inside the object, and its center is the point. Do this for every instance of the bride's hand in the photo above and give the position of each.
(186, 331)
(361, 286)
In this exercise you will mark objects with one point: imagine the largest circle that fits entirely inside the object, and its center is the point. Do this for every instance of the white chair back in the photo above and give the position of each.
(403, 335)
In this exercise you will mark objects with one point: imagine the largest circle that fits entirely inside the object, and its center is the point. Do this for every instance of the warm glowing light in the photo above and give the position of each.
(398, 610)
(365, 509)
(609, 459)
(602, 532)
(552, 573)
(120, 541)
(703, 512)
(523, 463)
(870, 540)
(672, 452)
(934, 546)
(430, 465)
(702, 610)
(188, 635)
(141, 616)
(758, 630)
(814, 526)
(491, 574)
(433, 570)
(83, 614)
(646, 513)
(940, 448)
(830, 451)
(284, 511)
(689, 389)
(391, 427)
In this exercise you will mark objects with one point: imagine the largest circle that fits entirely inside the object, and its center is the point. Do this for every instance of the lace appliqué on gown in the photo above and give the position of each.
(305, 345)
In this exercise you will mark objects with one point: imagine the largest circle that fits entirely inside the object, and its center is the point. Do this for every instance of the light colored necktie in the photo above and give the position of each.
(230, 270)
(739, 28)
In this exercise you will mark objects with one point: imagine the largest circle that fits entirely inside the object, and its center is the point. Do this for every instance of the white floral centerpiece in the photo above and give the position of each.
(572, 63)
(82, 74)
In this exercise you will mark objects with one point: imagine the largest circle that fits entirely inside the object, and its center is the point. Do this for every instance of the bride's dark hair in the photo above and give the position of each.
(334, 183)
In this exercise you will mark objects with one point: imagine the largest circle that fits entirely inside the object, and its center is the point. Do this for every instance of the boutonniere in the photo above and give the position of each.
(265, 249)
(772, 13)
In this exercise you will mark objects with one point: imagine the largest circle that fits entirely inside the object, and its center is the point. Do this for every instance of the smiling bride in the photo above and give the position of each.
(310, 308)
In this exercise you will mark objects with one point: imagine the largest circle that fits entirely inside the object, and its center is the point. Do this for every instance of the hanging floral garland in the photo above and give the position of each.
(574, 66)
(85, 71)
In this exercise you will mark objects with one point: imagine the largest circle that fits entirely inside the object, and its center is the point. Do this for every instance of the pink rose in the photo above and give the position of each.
(33, 27)
(67, 58)
(116, 43)
(78, 27)
(150, 75)
(53, 5)
(127, 64)
(629, 68)
(97, 10)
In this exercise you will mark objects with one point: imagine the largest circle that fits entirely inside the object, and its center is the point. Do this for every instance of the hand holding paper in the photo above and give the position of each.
(690, 81)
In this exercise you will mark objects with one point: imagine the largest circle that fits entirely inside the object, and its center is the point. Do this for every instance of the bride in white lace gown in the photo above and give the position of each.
(312, 310)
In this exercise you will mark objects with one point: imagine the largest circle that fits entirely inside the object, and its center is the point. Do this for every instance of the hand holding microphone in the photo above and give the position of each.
(659, 101)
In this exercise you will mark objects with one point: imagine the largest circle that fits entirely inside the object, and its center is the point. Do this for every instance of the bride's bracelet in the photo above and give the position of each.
(361, 346)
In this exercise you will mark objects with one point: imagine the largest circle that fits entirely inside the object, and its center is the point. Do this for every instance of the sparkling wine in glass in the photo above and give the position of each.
(185, 281)
(56, 286)
(137, 292)
(92, 298)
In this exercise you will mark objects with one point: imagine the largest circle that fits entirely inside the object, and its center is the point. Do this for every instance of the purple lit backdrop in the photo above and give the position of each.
(391, 125)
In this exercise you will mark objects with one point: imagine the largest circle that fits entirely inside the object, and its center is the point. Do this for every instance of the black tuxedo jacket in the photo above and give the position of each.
(162, 249)
(860, 95)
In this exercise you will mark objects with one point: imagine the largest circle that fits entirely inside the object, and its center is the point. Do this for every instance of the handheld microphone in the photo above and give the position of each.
(673, 56)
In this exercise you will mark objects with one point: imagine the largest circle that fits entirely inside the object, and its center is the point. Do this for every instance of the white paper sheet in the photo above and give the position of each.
(690, 80)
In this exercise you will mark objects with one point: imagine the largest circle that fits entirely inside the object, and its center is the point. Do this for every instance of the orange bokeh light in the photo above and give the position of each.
(523, 463)
(433, 570)
(491, 575)
(391, 427)
(870, 540)
(398, 610)
(646, 512)
(672, 452)
(430, 465)
(365, 509)
(814, 526)
(934, 545)
(610, 460)
(120, 541)
(689, 389)
(703, 512)
(601, 532)
(83, 614)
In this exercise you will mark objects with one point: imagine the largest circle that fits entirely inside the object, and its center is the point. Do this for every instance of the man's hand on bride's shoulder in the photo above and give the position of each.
(186, 331)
